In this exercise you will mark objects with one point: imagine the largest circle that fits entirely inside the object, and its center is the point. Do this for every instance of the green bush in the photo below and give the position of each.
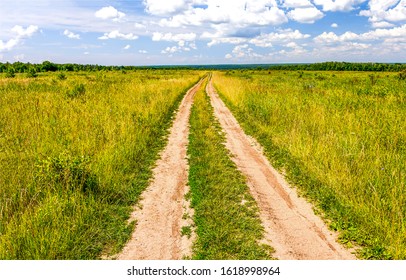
(61, 76)
(32, 73)
(10, 73)
(77, 91)
(67, 171)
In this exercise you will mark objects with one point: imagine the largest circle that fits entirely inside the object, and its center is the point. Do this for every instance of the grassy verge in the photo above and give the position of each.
(226, 216)
(340, 137)
(76, 150)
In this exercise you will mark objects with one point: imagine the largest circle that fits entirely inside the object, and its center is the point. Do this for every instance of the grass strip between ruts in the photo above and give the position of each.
(226, 215)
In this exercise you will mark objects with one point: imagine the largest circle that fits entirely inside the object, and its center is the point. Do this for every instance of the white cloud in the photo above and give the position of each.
(229, 40)
(297, 3)
(334, 25)
(385, 10)
(115, 34)
(382, 24)
(21, 34)
(338, 5)
(157, 36)
(159, 7)
(24, 33)
(331, 37)
(139, 25)
(305, 15)
(109, 13)
(375, 35)
(127, 47)
(142, 51)
(239, 13)
(70, 34)
(243, 52)
(287, 35)
(10, 44)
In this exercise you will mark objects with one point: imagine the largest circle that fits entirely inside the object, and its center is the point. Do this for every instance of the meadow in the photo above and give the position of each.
(76, 151)
(340, 137)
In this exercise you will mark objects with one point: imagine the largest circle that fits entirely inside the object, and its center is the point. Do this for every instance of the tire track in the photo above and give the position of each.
(159, 218)
(291, 227)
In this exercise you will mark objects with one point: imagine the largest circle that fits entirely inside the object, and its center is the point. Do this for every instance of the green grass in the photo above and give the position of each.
(341, 138)
(76, 150)
(225, 214)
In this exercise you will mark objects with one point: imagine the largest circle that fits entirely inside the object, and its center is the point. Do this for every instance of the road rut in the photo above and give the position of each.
(291, 227)
(159, 219)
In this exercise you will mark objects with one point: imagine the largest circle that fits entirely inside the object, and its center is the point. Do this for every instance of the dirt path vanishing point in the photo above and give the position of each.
(157, 235)
(291, 227)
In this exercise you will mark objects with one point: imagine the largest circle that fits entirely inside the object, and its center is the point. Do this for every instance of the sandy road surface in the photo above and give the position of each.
(159, 219)
(291, 227)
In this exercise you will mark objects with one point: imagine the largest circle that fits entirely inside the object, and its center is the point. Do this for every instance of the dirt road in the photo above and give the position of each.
(159, 219)
(291, 227)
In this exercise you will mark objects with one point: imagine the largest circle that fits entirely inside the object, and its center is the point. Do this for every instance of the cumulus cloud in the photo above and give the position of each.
(20, 34)
(109, 13)
(158, 36)
(243, 52)
(338, 5)
(24, 33)
(159, 7)
(182, 46)
(297, 4)
(382, 24)
(385, 10)
(115, 34)
(283, 36)
(240, 13)
(228, 40)
(334, 25)
(305, 15)
(398, 33)
(127, 47)
(70, 34)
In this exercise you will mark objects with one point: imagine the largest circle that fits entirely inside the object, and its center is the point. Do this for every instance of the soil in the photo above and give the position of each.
(291, 227)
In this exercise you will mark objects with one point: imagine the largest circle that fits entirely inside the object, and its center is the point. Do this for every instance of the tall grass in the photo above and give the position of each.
(340, 137)
(75, 153)
(225, 214)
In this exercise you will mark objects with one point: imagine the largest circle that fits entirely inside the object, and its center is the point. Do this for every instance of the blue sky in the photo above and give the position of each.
(160, 32)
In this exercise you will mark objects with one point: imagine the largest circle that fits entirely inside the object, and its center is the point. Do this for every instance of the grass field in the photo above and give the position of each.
(340, 137)
(76, 151)
(226, 216)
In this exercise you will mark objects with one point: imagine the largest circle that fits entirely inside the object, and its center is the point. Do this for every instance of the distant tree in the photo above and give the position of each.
(48, 66)
(10, 73)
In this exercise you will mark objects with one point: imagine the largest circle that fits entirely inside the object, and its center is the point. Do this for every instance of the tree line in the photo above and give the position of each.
(46, 66)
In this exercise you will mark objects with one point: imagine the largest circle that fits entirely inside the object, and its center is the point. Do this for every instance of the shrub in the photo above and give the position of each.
(67, 171)
(10, 73)
(61, 76)
(32, 73)
(77, 91)
(402, 75)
